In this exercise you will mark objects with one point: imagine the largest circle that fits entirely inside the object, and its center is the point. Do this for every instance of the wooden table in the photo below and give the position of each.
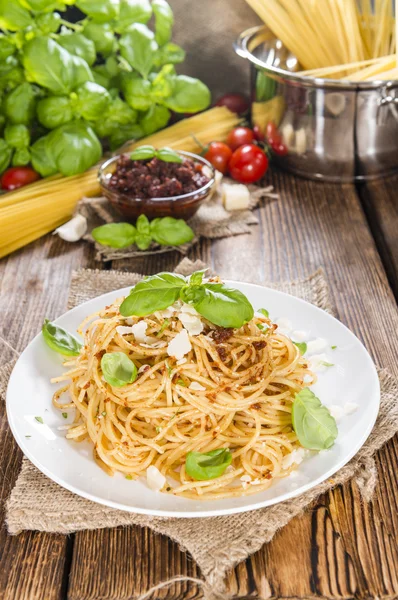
(338, 549)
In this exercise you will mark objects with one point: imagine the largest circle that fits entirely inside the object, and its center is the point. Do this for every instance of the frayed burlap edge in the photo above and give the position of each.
(216, 544)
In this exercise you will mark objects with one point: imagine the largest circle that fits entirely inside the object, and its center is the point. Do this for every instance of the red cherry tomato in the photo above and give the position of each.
(239, 137)
(272, 134)
(235, 102)
(248, 164)
(219, 155)
(279, 148)
(258, 134)
(17, 177)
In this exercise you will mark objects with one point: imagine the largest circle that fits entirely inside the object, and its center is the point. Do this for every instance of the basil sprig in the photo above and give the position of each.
(221, 305)
(165, 231)
(118, 370)
(60, 340)
(147, 152)
(208, 465)
(315, 427)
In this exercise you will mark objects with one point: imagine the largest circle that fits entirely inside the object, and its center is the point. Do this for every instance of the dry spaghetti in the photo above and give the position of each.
(233, 389)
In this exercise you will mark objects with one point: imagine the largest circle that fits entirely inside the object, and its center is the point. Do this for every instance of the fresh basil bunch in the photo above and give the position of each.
(108, 78)
(315, 427)
(147, 152)
(223, 306)
(208, 465)
(60, 340)
(165, 231)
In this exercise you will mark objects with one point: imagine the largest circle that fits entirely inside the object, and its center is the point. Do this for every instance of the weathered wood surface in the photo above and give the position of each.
(337, 549)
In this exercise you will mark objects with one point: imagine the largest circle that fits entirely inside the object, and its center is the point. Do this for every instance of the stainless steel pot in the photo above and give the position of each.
(334, 130)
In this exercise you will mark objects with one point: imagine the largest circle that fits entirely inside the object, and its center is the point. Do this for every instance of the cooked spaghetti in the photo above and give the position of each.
(232, 389)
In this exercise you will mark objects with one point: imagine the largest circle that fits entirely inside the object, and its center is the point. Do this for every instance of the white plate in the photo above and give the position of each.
(352, 379)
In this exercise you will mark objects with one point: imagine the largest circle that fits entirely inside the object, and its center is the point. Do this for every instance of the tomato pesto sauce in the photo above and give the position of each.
(154, 178)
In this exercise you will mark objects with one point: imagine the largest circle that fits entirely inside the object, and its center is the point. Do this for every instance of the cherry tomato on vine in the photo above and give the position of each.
(17, 177)
(239, 137)
(279, 148)
(219, 155)
(248, 164)
(272, 134)
(258, 134)
(235, 102)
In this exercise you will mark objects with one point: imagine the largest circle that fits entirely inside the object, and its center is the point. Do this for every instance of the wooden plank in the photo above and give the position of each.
(34, 284)
(381, 207)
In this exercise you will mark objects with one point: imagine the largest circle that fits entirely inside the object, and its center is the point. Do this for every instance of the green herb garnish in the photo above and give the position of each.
(65, 415)
(333, 347)
(181, 382)
(315, 427)
(118, 370)
(327, 364)
(60, 340)
(39, 420)
(262, 326)
(216, 302)
(147, 152)
(163, 327)
(129, 477)
(264, 312)
(302, 346)
(165, 231)
(169, 369)
(103, 413)
(209, 465)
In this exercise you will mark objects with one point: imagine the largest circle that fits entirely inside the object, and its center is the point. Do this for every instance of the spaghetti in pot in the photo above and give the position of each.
(234, 389)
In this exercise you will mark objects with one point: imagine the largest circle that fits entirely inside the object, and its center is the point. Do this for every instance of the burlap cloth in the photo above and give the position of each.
(211, 221)
(215, 543)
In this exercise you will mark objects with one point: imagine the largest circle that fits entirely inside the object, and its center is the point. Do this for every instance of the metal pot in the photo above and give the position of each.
(334, 130)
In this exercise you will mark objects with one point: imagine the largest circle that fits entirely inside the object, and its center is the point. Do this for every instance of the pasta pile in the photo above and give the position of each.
(340, 39)
(33, 211)
(233, 390)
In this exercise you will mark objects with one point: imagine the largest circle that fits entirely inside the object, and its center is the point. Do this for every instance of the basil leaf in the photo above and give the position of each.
(137, 93)
(17, 136)
(21, 157)
(224, 306)
(60, 340)
(264, 312)
(208, 465)
(171, 232)
(155, 118)
(143, 241)
(78, 44)
(138, 47)
(197, 277)
(5, 155)
(101, 35)
(189, 95)
(143, 153)
(169, 54)
(42, 158)
(302, 346)
(54, 111)
(142, 225)
(19, 104)
(315, 427)
(13, 16)
(74, 147)
(91, 101)
(115, 235)
(132, 11)
(168, 155)
(102, 11)
(163, 21)
(156, 292)
(118, 370)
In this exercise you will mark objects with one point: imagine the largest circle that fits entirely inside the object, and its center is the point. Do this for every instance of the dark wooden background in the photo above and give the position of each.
(340, 548)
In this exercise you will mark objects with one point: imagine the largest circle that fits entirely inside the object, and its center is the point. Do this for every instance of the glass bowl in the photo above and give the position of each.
(179, 207)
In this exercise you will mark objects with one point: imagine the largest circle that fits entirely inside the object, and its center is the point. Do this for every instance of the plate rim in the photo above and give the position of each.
(203, 513)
